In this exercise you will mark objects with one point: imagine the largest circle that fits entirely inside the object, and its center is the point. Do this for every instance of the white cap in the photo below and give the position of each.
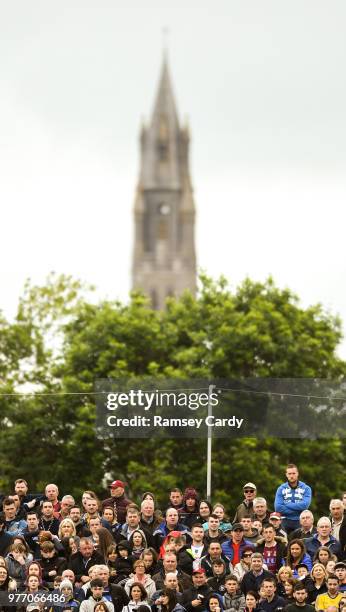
(250, 485)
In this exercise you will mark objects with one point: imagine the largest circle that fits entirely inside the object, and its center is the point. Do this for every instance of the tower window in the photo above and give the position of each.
(162, 150)
(154, 301)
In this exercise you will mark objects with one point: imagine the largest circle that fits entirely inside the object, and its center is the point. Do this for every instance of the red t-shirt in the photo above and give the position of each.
(236, 555)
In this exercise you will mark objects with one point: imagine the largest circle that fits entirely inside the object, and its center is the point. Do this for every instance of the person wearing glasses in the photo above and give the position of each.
(245, 508)
(244, 564)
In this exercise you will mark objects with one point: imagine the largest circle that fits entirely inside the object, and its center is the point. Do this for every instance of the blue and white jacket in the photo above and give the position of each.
(291, 501)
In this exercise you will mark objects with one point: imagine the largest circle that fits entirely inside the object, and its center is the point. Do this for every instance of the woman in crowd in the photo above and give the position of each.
(105, 541)
(148, 495)
(101, 607)
(66, 529)
(252, 602)
(6, 582)
(149, 556)
(189, 514)
(220, 512)
(318, 574)
(34, 569)
(111, 557)
(167, 602)
(140, 577)
(204, 510)
(109, 515)
(137, 542)
(288, 587)
(323, 555)
(296, 554)
(244, 565)
(70, 546)
(257, 524)
(214, 603)
(285, 573)
(330, 567)
(138, 597)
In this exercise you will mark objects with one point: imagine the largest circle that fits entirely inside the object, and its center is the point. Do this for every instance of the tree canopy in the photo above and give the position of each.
(62, 341)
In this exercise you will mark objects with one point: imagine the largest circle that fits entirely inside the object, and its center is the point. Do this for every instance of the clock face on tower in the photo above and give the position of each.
(164, 209)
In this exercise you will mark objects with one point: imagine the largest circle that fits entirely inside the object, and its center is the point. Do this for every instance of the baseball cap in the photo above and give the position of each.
(340, 564)
(117, 483)
(275, 515)
(199, 571)
(250, 485)
(238, 526)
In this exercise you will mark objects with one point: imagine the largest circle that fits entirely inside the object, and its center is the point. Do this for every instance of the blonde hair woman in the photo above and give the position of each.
(67, 529)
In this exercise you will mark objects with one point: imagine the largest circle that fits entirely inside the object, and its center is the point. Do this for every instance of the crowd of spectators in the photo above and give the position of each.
(119, 556)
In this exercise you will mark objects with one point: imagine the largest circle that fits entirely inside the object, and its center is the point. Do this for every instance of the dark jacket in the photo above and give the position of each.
(186, 557)
(217, 584)
(48, 565)
(299, 534)
(313, 544)
(294, 608)
(118, 595)
(277, 602)
(250, 582)
(192, 593)
(80, 566)
(342, 538)
(221, 538)
(52, 525)
(184, 580)
(120, 506)
(152, 525)
(189, 518)
(206, 564)
(5, 542)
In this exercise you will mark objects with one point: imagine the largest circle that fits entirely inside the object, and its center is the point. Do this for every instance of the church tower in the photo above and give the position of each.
(164, 259)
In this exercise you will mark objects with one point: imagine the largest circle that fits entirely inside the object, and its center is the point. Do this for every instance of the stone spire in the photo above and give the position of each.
(164, 251)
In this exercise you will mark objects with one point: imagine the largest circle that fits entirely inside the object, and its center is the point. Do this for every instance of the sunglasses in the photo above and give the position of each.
(248, 491)
(247, 555)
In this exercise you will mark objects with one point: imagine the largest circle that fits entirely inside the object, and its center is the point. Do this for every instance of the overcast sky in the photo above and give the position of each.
(263, 86)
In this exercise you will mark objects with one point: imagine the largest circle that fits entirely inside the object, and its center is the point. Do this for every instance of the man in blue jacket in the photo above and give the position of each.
(323, 537)
(292, 497)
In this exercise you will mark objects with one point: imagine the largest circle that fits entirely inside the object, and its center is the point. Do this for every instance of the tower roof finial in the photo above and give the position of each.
(165, 36)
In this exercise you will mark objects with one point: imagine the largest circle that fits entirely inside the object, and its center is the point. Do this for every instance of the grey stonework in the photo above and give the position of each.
(164, 258)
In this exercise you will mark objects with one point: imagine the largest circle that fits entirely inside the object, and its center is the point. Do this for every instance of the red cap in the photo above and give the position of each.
(275, 515)
(199, 571)
(117, 483)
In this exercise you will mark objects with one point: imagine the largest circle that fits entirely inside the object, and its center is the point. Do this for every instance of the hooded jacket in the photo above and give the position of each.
(291, 501)
(234, 603)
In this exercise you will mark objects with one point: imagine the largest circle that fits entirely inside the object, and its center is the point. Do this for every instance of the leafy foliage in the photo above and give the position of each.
(61, 342)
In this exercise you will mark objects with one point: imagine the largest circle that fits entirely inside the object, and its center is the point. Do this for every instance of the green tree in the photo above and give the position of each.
(257, 331)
